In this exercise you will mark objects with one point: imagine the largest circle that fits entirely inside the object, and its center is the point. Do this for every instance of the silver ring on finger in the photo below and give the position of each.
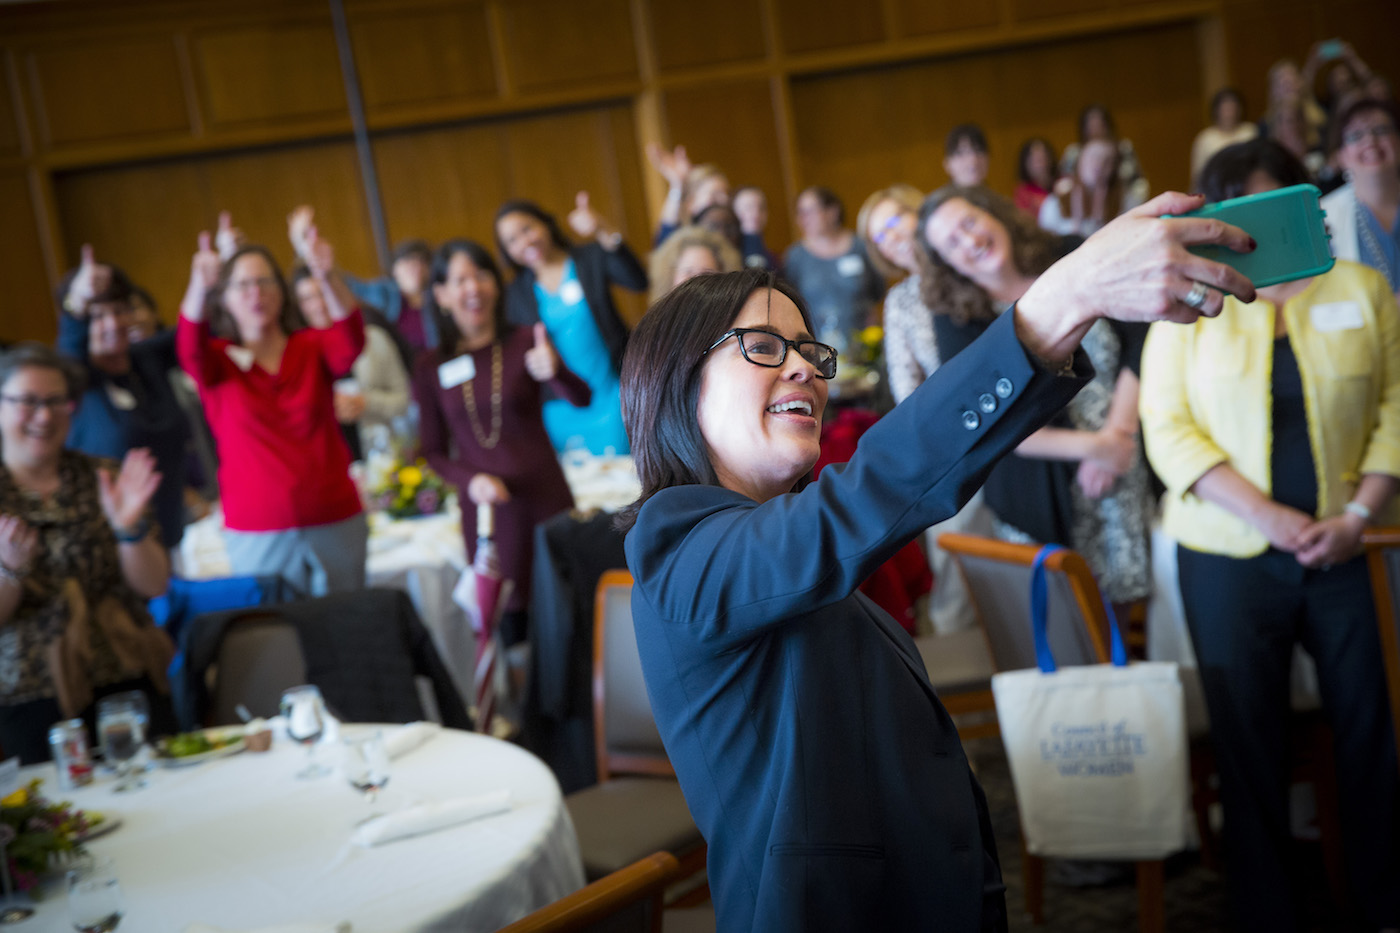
(1196, 297)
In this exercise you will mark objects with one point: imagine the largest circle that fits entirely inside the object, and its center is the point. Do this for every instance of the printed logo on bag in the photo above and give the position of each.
(1099, 749)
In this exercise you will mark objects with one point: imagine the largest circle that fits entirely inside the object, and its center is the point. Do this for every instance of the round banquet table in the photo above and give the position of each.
(240, 843)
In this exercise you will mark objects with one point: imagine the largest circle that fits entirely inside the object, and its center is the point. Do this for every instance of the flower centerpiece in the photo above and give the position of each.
(406, 490)
(38, 834)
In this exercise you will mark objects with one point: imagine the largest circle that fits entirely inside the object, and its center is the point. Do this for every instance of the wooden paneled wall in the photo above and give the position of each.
(131, 125)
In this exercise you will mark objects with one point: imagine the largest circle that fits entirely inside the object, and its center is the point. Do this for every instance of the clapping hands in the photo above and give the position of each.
(125, 496)
(19, 543)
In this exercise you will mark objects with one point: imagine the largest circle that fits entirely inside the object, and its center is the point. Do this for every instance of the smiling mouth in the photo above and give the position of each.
(798, 406)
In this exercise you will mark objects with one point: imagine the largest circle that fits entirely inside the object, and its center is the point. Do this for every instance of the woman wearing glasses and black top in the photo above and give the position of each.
(818, 763)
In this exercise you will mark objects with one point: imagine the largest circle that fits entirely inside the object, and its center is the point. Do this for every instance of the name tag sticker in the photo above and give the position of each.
(242, 357)
(1337, 315)
(121, 398)
(850, 266)
(455, 372)
(571, 292)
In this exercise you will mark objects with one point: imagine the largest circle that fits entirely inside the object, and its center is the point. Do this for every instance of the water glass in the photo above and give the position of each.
(365, 761)
(94, 896)
(305, 713)
(121, 730)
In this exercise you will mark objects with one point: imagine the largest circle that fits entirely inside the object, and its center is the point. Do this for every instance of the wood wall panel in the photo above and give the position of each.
(10, 132)
(1046, 9)
(26, 306)
(118, 88)
(272, 73)
(744, 142)
(687, 34)
(859, 132)
(815, 25)
(921, 18)
(417, 56)
(153, 238)
(552, 44)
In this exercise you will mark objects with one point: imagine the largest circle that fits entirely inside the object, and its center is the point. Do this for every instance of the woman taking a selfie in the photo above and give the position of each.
(818, 763)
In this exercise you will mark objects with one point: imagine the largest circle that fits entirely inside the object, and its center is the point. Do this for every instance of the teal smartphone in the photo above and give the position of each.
(1287, 225)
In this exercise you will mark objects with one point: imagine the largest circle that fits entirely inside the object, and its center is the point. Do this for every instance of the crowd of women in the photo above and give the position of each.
(1274, 429)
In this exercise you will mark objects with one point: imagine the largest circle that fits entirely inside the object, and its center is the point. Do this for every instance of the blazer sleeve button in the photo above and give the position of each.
(1004, 388)
(970, 420)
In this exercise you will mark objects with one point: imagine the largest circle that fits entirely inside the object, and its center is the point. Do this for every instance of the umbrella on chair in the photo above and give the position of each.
(492, 594)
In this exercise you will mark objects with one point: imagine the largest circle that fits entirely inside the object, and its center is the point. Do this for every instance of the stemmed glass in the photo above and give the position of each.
(366, 764)
(94, 896)
(121, 729)
(305, 713)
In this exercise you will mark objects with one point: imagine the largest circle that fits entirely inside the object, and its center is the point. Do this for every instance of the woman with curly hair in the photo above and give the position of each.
(689, 252)
(1079, 481)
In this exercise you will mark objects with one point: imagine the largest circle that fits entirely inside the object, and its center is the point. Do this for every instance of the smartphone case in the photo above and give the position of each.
(1288, 226)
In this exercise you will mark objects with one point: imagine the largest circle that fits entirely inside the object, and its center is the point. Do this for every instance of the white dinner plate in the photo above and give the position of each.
(185, 761)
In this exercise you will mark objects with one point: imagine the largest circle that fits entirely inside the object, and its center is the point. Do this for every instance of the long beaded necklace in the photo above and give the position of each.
(487, 441)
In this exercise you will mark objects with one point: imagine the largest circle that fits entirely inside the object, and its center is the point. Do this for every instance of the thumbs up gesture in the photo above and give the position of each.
(542, 360)
(228, 239)
(204, 268)
(92, 279)
(584, 221)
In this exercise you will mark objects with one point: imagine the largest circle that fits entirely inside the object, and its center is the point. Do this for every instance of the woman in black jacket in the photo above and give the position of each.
(567, 288)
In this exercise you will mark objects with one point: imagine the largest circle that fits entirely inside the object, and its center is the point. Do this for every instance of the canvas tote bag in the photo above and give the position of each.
(1098, 753)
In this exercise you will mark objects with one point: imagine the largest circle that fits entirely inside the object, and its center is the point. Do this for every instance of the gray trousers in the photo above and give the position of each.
(314, 560)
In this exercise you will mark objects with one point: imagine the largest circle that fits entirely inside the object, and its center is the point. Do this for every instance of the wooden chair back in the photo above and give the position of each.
(625, 734)
(998, 577)
(626, 901)
(1383, 560)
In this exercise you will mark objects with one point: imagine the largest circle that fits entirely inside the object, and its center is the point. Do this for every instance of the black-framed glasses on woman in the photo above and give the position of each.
(29, 404)
(765, 348)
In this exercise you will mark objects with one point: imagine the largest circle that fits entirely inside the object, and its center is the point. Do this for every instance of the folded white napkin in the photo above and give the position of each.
(401, 741)
(427, 818)
(282, 928)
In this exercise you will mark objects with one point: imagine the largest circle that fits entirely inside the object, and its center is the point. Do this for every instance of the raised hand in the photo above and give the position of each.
(542, 360)
(19, 543)
(125, 496)
(319, 256)
(300, 222)
(485, 489)
(583, 219)
(673, 165)
(228, 239)
(205, 267)
(93, 279)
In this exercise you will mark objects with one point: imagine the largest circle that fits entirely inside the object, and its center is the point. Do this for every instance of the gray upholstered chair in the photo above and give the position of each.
(636, 807)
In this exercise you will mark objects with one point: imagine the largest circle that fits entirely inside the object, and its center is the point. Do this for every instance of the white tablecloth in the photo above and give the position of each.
(240, 843)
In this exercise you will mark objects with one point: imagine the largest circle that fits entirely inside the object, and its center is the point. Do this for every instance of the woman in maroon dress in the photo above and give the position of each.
(479, 401)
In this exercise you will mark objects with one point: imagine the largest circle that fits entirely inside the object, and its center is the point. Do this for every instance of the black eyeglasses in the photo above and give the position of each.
(765, 348)
(29, 404)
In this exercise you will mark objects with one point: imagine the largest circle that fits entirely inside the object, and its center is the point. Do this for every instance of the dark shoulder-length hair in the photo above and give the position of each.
(943, 289)
(1224, 176)
(531, 209)
(450, 335)
(221, 323)
(661, 377)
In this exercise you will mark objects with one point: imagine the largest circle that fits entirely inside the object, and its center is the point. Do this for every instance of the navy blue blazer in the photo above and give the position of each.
(821, 768)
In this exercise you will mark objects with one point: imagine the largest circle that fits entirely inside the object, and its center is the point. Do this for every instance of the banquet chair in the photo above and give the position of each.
(998, 576)
(365, 650)
(637, 806)
(1383, 560)
(627, 901)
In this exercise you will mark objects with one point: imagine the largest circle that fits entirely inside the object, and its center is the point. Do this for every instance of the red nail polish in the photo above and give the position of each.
(1252, 245)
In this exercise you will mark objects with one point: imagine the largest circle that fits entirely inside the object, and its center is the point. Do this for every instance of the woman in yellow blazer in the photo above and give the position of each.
(1276, 428)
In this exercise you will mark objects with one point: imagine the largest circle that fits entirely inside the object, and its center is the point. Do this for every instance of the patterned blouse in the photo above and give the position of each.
(911, 352)
(77, 578)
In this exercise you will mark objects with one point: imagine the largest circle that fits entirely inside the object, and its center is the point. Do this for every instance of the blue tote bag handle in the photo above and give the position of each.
(1039, 598)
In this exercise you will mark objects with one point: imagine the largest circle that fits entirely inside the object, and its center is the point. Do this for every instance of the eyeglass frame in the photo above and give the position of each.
(55, 403)
(787, 345)
(1377, 132)
(880, 236)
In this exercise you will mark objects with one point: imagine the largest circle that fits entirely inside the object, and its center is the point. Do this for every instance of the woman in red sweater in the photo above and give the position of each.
(290, 508)
(479, 404)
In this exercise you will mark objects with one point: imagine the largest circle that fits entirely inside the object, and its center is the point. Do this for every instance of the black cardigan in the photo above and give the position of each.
(597, 268)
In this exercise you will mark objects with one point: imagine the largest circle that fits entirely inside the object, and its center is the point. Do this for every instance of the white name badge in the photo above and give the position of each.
(242, 357)
(850, 266)
(455, 372)
(571, 292)
(121, 398)
(1337, 315)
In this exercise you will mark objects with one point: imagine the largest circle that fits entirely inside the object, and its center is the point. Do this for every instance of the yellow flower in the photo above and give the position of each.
(410, 476)
(872, 335)
(18, 799)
